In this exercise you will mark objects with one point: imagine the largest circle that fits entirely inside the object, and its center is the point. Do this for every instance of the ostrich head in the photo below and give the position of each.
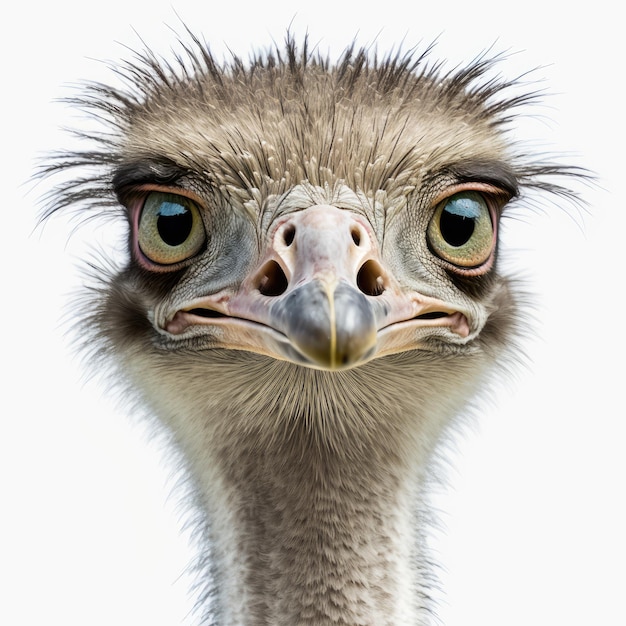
(311, 294)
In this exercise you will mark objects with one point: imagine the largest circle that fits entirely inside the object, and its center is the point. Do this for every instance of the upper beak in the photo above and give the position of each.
(319, 297)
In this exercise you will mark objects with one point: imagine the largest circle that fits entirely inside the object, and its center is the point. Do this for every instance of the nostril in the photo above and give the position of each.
(370, 279)
(356, 236)
(288, 235)
(272, 280)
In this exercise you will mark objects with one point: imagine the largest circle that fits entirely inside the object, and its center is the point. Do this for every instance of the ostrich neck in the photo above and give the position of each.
(307, 536)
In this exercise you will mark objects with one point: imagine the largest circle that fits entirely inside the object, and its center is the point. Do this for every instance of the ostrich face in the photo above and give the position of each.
(310, 228)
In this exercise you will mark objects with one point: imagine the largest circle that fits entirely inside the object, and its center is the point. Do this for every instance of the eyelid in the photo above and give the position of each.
(496, 197)
(132, 197)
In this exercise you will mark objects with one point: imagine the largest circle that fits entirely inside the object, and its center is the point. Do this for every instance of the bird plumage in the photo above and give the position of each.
(308, 457)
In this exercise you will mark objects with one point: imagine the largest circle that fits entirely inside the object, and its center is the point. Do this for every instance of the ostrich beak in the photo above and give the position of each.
(333, 326)
(319, 297)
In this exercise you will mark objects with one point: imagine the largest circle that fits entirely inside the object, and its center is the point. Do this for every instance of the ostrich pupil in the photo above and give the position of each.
(457, 230)
(174, 223)
(458, 218)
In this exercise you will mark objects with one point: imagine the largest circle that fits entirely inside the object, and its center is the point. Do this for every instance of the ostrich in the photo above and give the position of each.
(311, 296)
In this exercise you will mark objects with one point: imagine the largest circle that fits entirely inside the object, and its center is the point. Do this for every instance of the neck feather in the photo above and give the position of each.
(304, 536)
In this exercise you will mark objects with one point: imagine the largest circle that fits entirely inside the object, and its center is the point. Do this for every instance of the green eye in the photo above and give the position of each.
(461, 230)
(170, 228)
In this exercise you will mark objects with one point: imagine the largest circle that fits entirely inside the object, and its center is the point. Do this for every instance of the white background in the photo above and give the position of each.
(533, 518)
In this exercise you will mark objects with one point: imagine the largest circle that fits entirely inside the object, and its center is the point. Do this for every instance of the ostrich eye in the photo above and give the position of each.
(461, 230)
(170, 228)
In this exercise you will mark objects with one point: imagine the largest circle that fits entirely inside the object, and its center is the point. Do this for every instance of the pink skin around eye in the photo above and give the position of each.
(135, 207)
